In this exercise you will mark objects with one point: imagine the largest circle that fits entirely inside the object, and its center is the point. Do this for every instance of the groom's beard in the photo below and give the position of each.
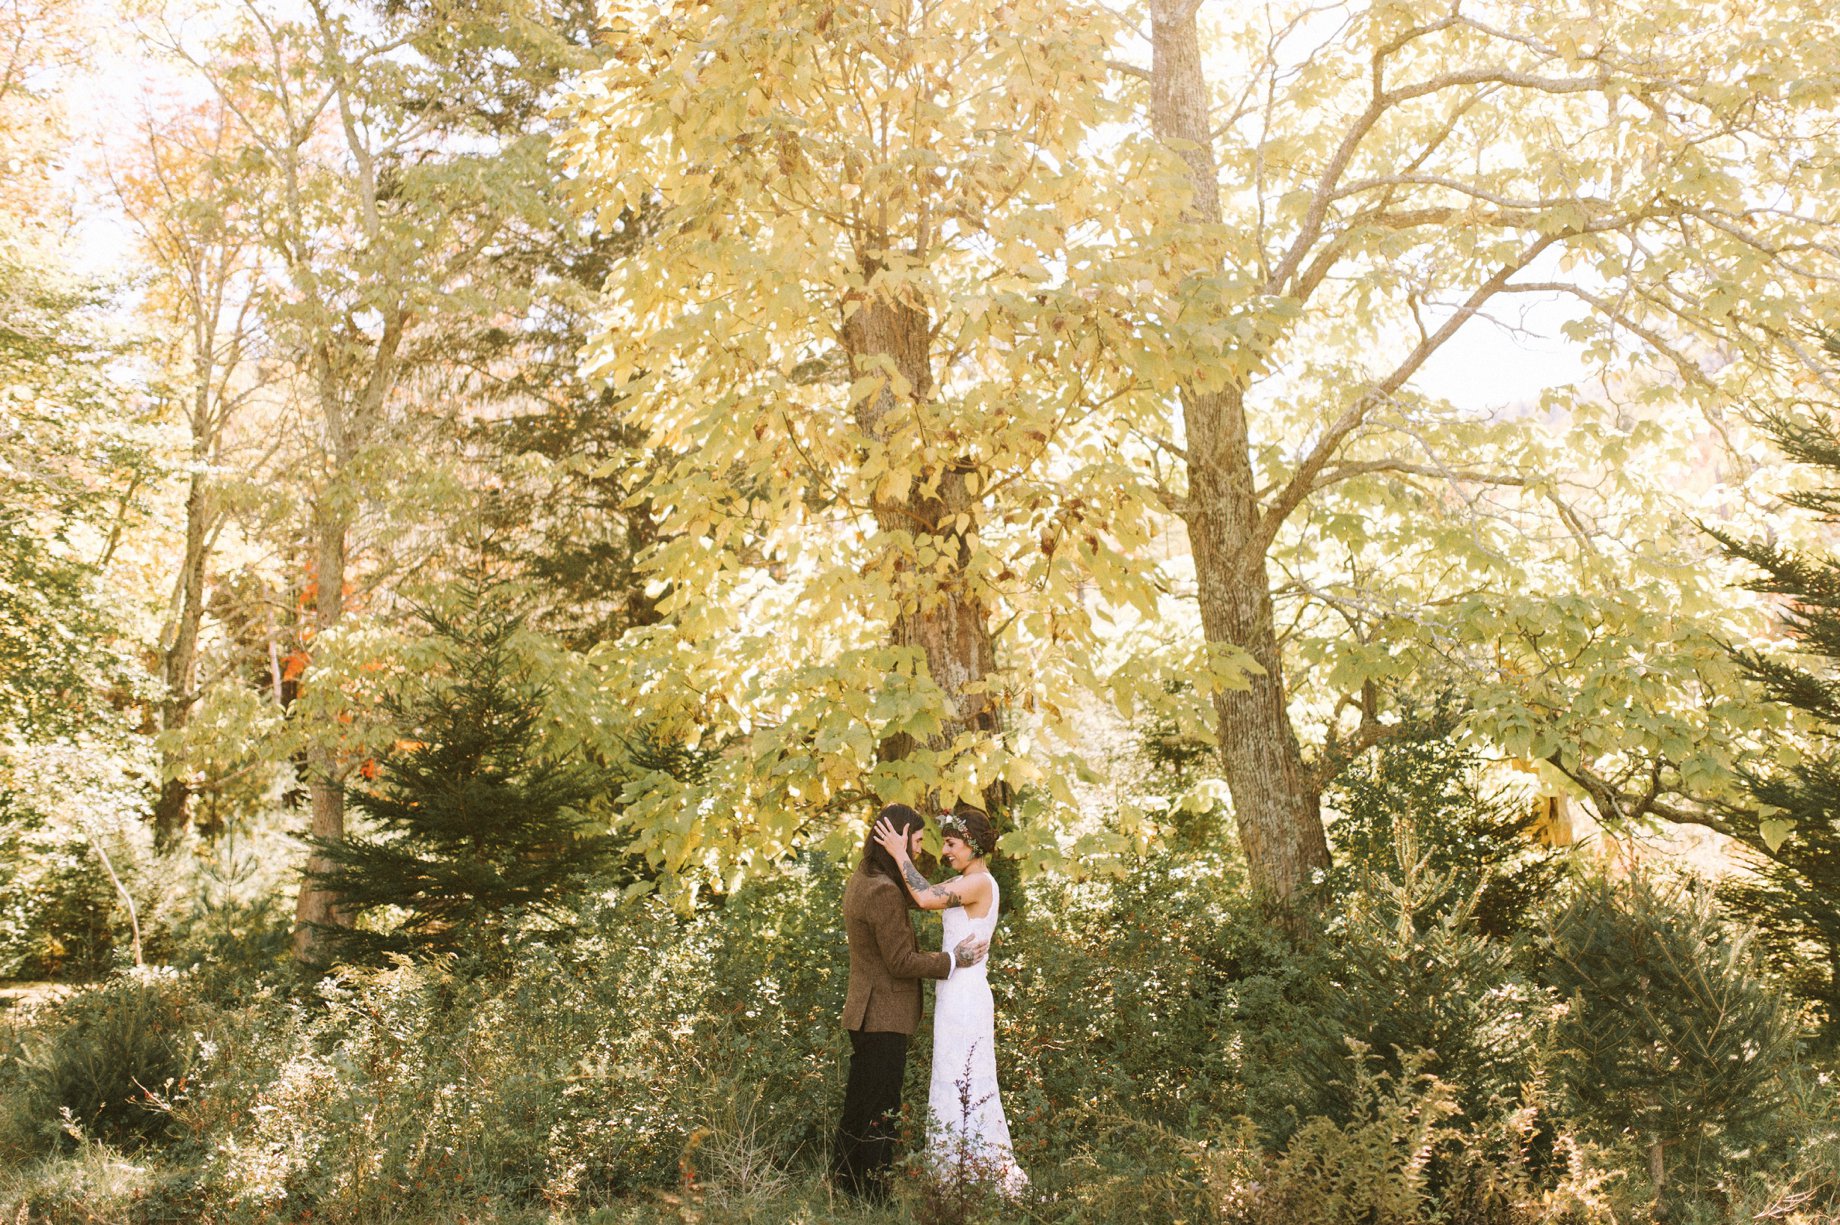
(926, 863)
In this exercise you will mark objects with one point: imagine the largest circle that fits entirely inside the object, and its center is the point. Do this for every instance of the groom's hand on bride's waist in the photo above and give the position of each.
(969, 951)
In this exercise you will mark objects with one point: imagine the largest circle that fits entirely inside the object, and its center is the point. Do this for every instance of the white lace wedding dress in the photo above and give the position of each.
(968, 1135)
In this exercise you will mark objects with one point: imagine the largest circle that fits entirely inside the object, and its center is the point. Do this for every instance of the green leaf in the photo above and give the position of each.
(1775, 831)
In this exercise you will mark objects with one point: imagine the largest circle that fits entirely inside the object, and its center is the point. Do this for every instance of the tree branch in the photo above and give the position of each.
(1305, 476)
(1336, 473)
(1327, 188)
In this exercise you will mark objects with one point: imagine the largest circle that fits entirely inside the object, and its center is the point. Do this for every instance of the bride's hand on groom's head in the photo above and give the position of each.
(890, 838)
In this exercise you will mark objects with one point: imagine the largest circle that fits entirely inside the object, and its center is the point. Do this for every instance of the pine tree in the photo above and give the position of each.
(1412, 971)
(1476, 836)
(474, 822)
(1794, 893)
(1671, 1035)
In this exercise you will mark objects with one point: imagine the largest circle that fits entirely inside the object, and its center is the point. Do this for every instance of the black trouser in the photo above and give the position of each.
(864, 1147)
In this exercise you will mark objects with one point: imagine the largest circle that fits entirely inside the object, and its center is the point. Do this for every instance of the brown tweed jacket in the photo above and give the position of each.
(886, 964)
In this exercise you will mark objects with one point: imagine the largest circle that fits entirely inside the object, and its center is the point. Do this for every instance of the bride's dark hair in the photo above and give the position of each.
(874, 857)
(973, 827)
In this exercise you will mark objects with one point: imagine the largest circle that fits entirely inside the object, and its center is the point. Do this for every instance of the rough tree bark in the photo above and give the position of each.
(316, 908)
(354, 377)
(179, 663)
(1276, 803)
(196, 233)
(951, 627)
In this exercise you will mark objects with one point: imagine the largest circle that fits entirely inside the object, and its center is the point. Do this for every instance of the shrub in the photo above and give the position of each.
(56, 906)
(231, 947)
(60, 915)
(1524, 1166)
(1404, 1157)
(1474, 837)
(1411, 970)
(1671, 1034)
(771, 1018)
(415, 1085)
(648, 1049)
(1162, 1048)
(1373, 1168)
(1165, 995)
(103, 1063)
(656, 1049)
(1109, 1168)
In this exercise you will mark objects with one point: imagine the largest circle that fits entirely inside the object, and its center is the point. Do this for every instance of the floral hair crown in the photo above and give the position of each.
(951, 827)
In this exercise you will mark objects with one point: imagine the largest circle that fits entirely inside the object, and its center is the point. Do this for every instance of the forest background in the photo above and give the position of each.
(497, 494)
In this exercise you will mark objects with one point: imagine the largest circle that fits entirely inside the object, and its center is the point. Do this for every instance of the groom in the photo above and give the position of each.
(883, 1007)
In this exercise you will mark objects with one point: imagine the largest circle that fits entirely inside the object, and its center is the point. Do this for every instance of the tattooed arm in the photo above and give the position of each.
(928, 896)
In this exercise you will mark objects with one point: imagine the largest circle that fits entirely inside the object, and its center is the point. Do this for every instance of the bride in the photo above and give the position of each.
(969, 1134)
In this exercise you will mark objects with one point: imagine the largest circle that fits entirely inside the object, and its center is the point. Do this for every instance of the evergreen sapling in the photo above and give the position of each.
(473, 821)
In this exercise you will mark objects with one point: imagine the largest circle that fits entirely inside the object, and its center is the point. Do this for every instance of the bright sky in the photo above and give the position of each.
(1509, 359)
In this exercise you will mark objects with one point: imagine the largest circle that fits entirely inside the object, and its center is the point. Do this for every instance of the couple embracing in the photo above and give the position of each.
(966, 1133)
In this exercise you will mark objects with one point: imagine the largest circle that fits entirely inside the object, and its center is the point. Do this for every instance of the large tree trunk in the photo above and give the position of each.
(1276, 805)
(317, 907)
(179, 666)
(950, 626)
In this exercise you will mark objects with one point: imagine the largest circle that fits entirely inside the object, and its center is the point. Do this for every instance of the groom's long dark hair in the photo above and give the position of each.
(877, 859)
